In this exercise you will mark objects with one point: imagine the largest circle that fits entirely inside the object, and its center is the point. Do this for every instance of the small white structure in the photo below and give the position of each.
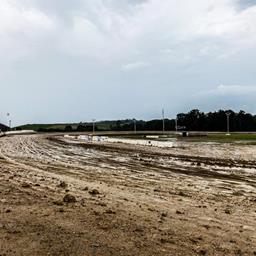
(22, 132)
(69, 137)
(143, 142)
(153, 143)
(90, 138)
(84, 137)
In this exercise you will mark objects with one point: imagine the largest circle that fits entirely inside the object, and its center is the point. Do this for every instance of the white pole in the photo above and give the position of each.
(228, 114)
(7, 115)
(228, 123)
(176, 124)
(163, 120)
(93, 126)
(135, 128)
(8, 120)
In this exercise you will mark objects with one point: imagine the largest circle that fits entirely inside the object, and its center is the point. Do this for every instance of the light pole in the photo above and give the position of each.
(134, 126)
(8, 120)
(93, 126)
(197, 123)
(176, 124)
(228, 114)
(163, 120)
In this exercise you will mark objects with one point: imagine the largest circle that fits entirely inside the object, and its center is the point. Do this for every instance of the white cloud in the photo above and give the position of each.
(235, 26)
(120, 30)
(84, 39)
(234, 97)
(22, 30)
(229, 90)
(218, 27)
(84, 44)
(15, 18)
(135, 66)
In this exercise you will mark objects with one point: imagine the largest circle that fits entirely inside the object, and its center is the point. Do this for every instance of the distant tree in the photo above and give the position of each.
(194, 120)
(68, 128)
(82, 128)
(217, 121)
(118, 125)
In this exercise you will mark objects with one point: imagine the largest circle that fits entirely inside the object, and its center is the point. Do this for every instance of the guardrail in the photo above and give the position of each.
(23, 132)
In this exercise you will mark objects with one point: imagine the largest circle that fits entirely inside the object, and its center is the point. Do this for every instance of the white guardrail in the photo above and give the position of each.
(23, 132)
(144, 142)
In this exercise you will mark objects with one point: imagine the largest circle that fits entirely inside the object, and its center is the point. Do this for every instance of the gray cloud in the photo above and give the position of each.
(237, 97)
(246, 3)
(64, 60)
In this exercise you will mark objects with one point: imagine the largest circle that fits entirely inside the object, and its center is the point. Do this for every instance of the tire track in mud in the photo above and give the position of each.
(25, 162)
(121, 163)
(171, 163)
(161, 190)
(162, 152)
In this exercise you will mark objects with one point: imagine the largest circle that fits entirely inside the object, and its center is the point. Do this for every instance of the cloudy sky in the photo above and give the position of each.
(63, 60)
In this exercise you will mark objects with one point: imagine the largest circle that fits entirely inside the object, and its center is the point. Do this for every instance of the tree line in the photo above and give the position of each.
(195, 120)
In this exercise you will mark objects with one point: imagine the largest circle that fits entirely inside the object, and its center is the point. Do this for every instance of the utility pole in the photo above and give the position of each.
(176, 123)
(8, 120)
(134, 125)
(228, 115)
(163, 120)
(93, 126)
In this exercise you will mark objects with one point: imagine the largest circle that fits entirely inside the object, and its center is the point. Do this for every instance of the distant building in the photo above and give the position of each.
(4, 128)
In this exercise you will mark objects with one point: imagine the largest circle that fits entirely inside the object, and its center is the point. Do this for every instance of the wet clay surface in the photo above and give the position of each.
(61, 197)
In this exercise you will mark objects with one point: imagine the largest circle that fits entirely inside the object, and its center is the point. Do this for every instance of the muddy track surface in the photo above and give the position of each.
(194, 199)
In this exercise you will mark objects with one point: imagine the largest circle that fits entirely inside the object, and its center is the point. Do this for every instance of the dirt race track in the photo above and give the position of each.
(194, 199)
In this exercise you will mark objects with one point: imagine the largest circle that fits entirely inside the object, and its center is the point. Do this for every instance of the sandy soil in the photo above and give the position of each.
(194, 199)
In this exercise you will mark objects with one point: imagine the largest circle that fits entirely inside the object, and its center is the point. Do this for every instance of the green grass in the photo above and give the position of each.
(234, 136)
(245, 138)
(223, 138)
(36, 127)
